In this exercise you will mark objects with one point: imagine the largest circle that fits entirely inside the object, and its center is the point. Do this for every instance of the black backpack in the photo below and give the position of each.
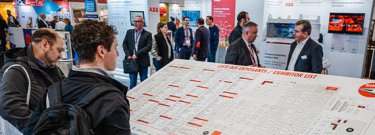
(62, 118)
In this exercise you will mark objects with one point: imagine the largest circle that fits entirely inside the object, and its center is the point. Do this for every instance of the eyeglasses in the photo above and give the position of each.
(137, 21)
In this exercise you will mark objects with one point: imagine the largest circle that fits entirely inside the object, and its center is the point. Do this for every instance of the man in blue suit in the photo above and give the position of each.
(184, 40)
(305, 54)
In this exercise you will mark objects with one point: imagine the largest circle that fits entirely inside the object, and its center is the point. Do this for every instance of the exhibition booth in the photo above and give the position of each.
(342, 28)
(192, 97)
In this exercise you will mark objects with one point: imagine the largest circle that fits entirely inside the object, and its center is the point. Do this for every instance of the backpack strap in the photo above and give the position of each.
(54, 96)
(28, 79)
(97, 92)
(54, 93)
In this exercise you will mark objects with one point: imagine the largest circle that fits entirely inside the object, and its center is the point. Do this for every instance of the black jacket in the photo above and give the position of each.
(109, 112)
(14, 84)
(238, 53)
(144, 46)
(3, 27)
(235, 34)
(171, 26)
(202, 36)
(162, 49)
(310, 58)
(41, 24)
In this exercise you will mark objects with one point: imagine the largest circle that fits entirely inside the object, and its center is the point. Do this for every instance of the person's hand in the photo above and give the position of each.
(158, 58)
(135, 56)
(195, 57)
(130, 57)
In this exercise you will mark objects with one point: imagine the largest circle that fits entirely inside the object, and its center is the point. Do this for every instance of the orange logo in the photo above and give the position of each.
(367, 90)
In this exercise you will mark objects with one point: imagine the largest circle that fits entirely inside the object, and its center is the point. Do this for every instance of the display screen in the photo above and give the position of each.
(351, 23)
(90, 5)
(280, 30)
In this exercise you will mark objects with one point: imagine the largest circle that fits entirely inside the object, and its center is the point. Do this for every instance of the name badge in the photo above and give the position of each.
(188, 42)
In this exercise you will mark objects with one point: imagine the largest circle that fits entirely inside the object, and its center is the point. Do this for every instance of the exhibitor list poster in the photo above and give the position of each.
(190, 97)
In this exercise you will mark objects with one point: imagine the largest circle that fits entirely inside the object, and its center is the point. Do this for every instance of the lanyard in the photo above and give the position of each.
(137, 36)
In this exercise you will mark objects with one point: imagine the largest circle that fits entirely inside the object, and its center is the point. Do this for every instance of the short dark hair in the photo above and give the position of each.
(200, 21)
(248, 25)
(44, 33)
(210, 18)
(241, 15)
(306, 26)
(160, 25)
(183, 19)
(88, 35)
(172, 19)
(67, 19)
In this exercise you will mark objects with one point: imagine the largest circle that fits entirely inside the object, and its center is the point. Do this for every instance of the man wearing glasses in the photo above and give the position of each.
(137, 44)
(305, 54)
(184, 40)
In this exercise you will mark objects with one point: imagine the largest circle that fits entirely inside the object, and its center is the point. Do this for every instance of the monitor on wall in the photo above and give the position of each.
(349, 23)
(134, 14)
(280, 30)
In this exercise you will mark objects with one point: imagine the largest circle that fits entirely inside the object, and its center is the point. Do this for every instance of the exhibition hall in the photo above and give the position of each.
(187, 67)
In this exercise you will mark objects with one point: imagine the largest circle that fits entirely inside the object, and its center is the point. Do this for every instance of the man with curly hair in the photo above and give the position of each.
(96, 45)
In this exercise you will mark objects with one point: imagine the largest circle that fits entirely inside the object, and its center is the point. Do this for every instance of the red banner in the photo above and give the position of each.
(223, 12)
(39, 3)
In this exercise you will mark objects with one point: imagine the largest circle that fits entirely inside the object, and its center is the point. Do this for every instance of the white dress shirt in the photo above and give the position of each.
(60, 25)
(295, 54)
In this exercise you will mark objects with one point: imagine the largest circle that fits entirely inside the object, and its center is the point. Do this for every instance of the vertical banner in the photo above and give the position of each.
(223, 12)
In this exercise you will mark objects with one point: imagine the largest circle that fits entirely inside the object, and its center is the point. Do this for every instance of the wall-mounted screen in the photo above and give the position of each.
(280, 30)
(351, 23)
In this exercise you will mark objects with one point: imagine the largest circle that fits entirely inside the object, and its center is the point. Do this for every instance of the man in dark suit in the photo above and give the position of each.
(214, 38)
(137, 44)
(42, 23)
(184, 40)
(172, 26)
(242, 51)
(242, 18)
(202, 38)
(305, 54)
(12, 21)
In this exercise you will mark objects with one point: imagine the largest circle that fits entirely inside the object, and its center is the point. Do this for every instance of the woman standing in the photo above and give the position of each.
(162, 48)
(178, 23)
(68, 26)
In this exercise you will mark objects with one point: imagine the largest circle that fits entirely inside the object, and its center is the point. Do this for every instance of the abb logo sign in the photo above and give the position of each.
(153, 9)
(289, 4)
